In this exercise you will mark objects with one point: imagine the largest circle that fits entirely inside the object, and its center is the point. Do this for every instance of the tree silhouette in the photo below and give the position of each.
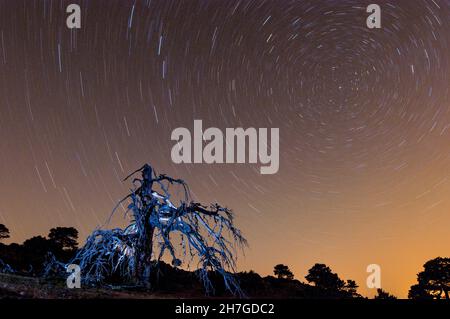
(4, 232)
(64, 238)
(418, 292)
(381, 294)
(351, 288)
(321, 276)
(434, 281)
(36, 244)
(283, 271)
(329, 285)
(35, 252)
(205, 234)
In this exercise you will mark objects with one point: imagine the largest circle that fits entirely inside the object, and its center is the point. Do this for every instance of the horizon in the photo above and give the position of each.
(266, 271)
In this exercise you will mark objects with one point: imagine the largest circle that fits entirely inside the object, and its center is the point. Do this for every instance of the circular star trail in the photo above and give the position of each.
(363, 116)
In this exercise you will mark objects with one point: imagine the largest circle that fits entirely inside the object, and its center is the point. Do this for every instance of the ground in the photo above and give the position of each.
(13, 286)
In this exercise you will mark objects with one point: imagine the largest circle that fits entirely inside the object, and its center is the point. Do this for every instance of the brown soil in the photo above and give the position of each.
(13, 286)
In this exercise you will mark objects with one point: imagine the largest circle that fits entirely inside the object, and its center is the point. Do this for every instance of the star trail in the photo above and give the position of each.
(363, 117)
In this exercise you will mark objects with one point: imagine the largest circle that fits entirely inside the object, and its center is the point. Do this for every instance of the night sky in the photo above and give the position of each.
(364, 119)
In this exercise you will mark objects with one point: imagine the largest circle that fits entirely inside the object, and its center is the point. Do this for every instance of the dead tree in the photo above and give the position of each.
(206, 235)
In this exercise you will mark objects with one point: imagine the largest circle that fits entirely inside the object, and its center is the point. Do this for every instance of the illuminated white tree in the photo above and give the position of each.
(206, 235)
